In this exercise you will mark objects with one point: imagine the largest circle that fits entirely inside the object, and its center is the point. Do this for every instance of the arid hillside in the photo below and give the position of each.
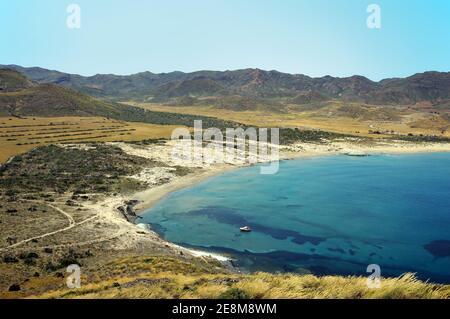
(432, 88)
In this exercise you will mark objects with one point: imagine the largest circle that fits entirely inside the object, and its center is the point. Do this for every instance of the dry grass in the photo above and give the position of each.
(328, 118)
(264, 285)
(163, 277)
(19, 135)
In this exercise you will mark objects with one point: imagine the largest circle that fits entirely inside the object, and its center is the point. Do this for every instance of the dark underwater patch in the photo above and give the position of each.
(229, 217)
(438, 248)
(337, 250)
(294, 206)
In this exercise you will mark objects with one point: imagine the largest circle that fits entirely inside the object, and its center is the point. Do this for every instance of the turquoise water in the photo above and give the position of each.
(328, 215)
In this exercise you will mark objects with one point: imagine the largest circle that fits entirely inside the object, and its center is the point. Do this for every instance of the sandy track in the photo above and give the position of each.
(69, 217)
(88, 242)
(71, 225)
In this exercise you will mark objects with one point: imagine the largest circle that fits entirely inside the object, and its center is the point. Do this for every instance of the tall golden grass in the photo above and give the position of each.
(164, 277)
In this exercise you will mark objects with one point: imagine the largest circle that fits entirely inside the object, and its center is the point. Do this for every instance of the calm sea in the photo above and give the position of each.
(325, 215)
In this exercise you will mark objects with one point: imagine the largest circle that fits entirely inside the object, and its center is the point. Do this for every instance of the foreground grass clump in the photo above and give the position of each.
(168, 277)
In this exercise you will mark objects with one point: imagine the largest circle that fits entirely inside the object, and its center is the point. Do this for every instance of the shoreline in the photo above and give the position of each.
(151, 196)
(148, 198)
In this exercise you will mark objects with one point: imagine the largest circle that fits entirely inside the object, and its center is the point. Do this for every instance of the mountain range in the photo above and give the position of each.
(242, 88)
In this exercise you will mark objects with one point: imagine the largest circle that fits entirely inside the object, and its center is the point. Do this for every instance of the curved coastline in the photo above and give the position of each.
(150, 197)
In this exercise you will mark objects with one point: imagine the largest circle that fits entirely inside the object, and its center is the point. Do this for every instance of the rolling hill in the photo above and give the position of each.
(27, 98)
(21, 97)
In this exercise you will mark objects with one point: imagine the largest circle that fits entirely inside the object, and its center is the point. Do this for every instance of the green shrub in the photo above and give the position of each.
(234, 293)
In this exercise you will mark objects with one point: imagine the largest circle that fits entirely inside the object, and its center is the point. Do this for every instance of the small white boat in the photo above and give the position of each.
(245, 229)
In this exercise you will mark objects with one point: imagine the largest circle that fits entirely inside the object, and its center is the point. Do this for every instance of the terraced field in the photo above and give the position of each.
(18, 135)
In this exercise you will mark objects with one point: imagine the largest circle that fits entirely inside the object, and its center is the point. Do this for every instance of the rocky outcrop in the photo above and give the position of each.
(127, 210)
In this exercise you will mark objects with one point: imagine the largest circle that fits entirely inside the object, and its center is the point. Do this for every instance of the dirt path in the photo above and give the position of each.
(89, 242)
(71, 225)
(69, 217)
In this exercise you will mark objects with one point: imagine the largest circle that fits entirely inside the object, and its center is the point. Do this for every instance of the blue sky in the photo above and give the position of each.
(313, 37)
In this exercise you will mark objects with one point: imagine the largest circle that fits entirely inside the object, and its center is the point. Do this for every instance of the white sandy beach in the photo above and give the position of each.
(152, 195)
(107, 208)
